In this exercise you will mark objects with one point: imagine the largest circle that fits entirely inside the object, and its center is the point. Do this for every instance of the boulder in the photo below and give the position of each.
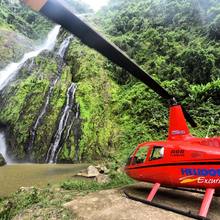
(90, 172)
(102, 178)
(2, 160)
(27, 189)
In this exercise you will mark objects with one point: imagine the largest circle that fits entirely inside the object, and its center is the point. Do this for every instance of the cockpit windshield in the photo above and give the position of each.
(130, 158)
(140, 155)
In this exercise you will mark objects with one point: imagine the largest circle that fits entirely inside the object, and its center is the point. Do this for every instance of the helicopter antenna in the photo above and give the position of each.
(210, 126)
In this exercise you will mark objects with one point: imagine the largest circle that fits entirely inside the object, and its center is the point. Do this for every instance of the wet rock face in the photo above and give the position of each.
(12, 46)
(44, 96)
(2, 160)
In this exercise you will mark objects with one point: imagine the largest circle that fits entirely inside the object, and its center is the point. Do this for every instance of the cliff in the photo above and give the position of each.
(70, 104)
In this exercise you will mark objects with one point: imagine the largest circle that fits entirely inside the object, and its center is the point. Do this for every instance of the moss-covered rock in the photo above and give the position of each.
(95, 94)
(12, 46)
(23, 100)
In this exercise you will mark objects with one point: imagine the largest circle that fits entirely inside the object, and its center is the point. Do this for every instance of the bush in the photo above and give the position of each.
(117, 180)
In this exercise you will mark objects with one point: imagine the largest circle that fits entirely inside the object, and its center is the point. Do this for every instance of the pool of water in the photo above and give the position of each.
(12, 177)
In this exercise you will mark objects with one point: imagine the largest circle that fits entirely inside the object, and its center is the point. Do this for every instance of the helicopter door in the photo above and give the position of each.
(140, 155)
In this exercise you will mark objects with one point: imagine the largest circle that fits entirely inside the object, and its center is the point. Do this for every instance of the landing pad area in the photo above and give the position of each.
(113, 204)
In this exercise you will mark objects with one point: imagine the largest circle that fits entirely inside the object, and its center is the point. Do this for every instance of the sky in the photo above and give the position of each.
(96, 4)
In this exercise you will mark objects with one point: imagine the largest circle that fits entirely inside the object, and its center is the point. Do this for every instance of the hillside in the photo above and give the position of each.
(177, 42)
(64, 106)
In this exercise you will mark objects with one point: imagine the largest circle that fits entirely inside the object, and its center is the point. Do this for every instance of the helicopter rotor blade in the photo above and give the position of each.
(61, 15)
(56, 11)
(189, 118)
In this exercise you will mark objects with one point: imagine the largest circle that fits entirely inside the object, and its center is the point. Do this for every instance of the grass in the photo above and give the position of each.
(47, 203)
(117, 180)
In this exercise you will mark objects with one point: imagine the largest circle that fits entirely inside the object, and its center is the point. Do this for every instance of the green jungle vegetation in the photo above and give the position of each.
(176, 41)
(20, 18)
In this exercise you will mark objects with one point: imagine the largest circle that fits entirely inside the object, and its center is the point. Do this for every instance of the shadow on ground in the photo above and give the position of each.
(114, 205)
(182, 200)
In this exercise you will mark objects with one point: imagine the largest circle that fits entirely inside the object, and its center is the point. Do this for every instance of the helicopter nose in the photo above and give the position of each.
(126, 170)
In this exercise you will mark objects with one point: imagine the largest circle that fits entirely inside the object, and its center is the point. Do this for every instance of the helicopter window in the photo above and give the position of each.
(140, 156)
(157, 153)
(130, 158)
(129, 161)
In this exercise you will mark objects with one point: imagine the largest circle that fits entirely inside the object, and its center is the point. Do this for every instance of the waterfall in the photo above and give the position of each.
(75, 126)
(10, 71)
(3, 147)
(41, 115)
(64, 46)
(61, 53)
(77, 132)
(54, 148)
(45, 104)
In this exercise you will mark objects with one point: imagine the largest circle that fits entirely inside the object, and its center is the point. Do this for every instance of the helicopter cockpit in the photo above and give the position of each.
(144, 154)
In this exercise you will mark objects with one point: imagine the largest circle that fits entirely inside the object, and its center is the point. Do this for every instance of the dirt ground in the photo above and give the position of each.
(113, 205)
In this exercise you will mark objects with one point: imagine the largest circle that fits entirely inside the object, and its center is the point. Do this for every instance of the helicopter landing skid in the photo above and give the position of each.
(168, 208)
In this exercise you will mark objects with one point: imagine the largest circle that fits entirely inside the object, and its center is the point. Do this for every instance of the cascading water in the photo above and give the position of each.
(70, 118)
(41, 115)
(3, 147)
(64, 46)
(7, 74)
(77, 132)
(10, 71)
(75, 127)
(61, 53)
(54, 148)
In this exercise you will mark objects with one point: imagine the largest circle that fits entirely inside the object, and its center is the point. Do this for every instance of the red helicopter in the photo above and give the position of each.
(182, 161)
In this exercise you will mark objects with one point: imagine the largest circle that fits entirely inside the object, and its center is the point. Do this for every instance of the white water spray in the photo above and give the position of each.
(64, 46)
(61, 53)
(10, 71)
(3, 147)
(51, 156)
